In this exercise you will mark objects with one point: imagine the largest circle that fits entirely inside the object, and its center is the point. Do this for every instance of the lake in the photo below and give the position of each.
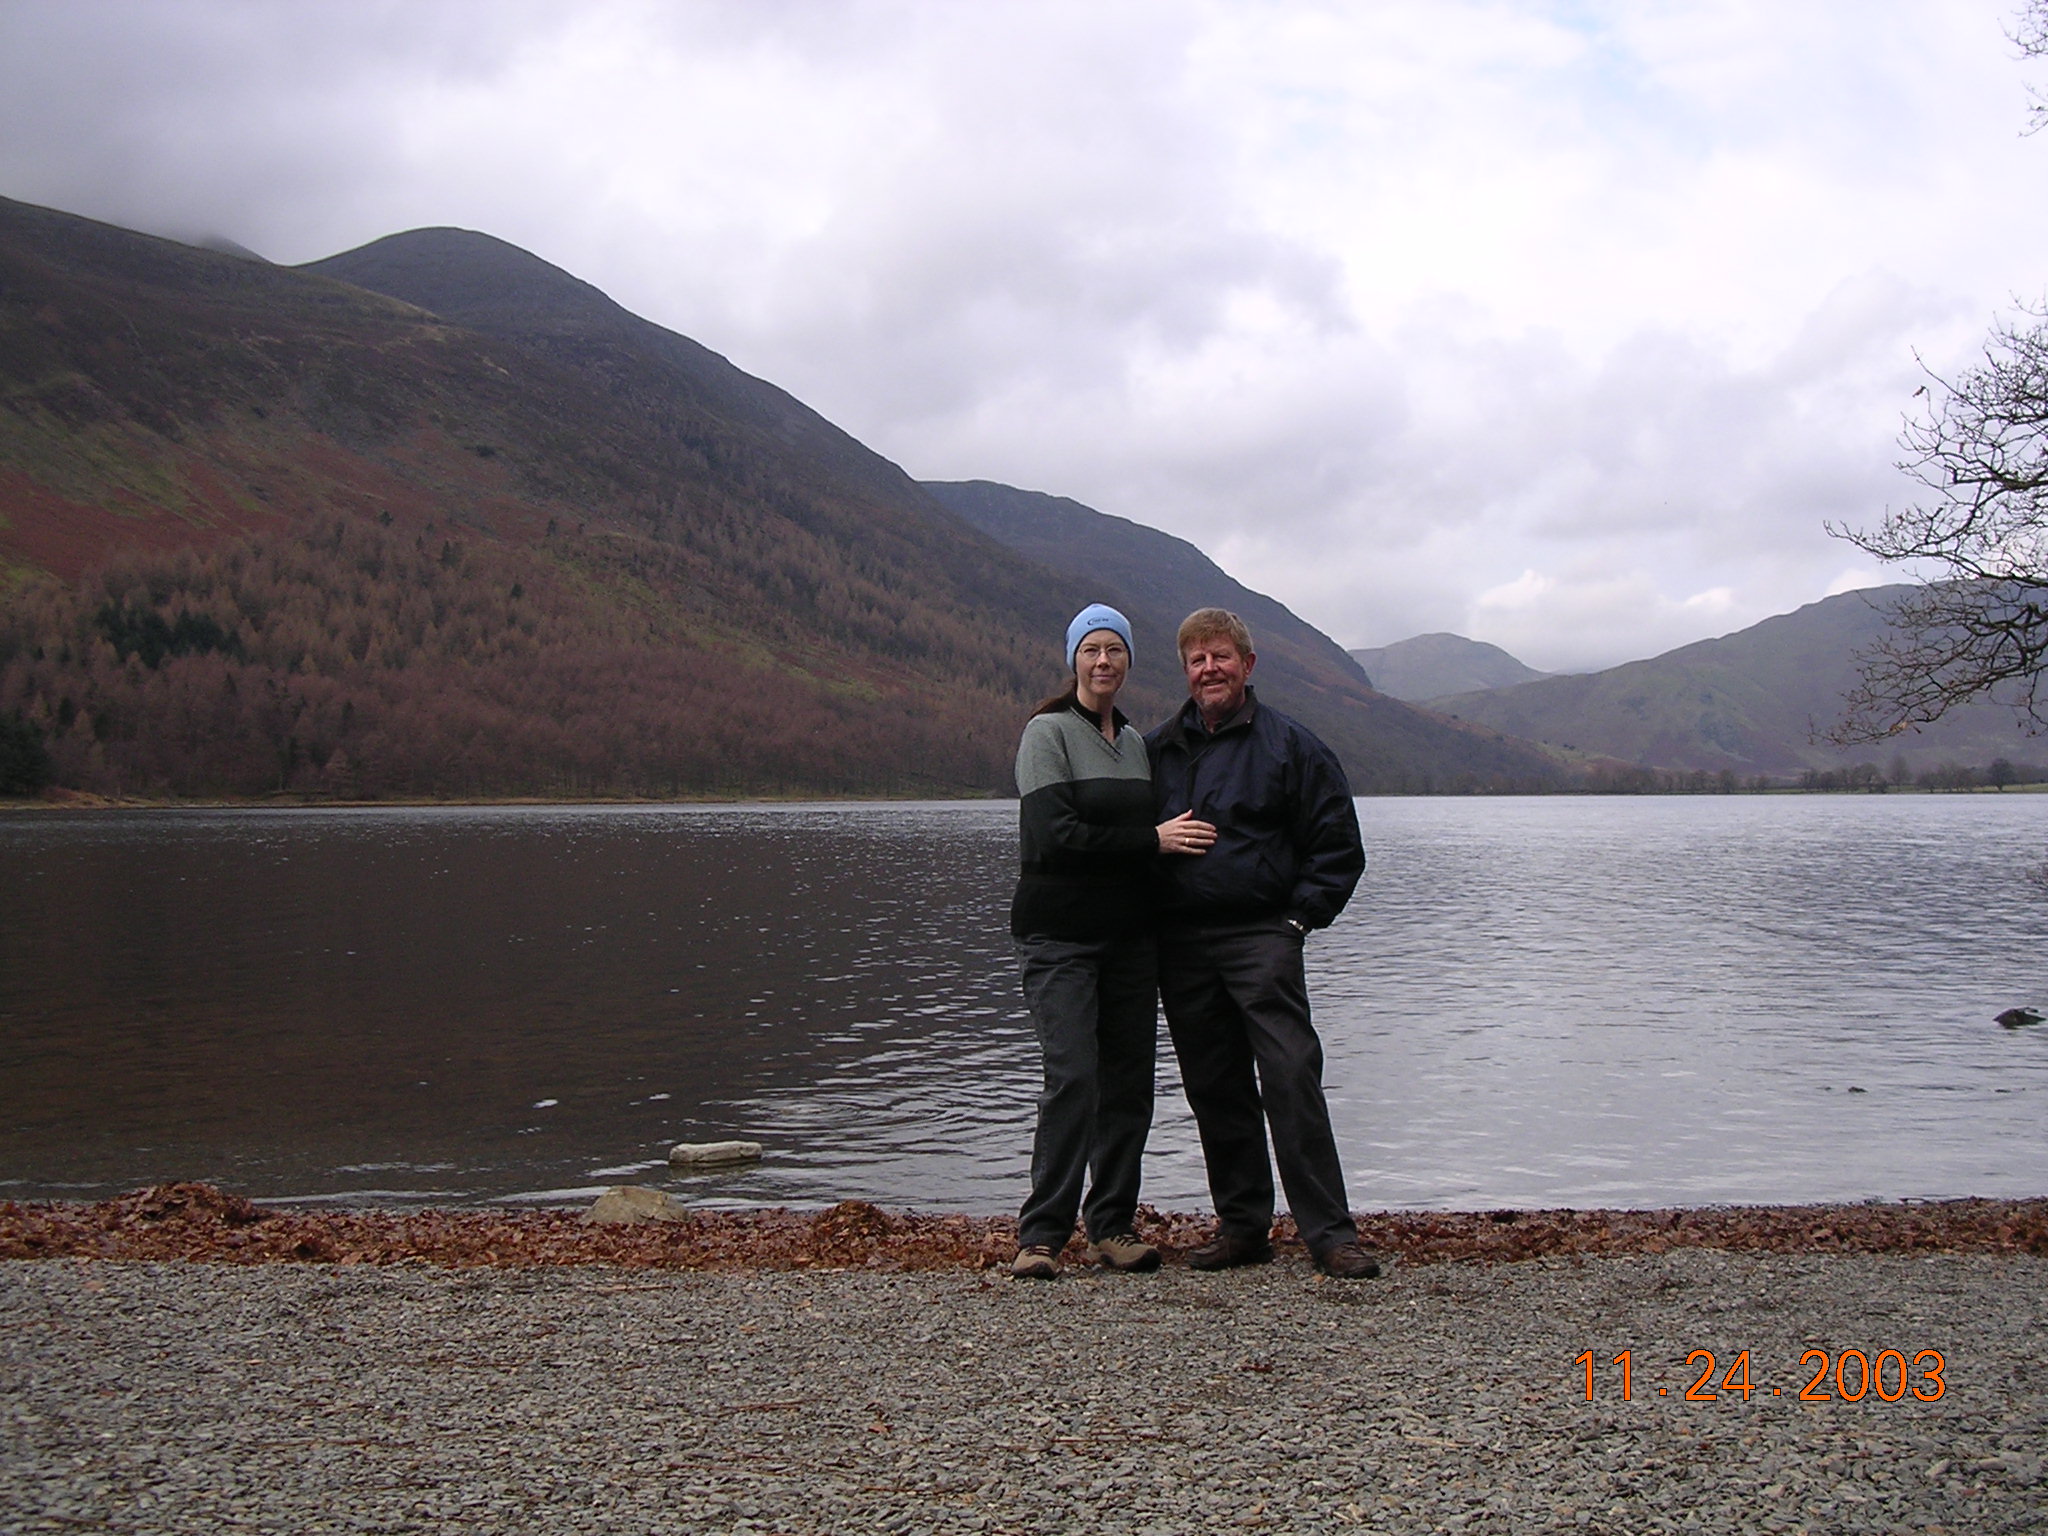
(1533, 1002)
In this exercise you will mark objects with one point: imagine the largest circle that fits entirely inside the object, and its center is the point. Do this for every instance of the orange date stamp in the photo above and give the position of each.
(1844, 1376)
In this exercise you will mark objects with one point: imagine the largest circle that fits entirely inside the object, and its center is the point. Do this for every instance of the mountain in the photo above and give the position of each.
(226, 247)
(1157, 580)
(671, 390)
(555, 551)
(1750, 702)
(1432, 666)
(435, 517)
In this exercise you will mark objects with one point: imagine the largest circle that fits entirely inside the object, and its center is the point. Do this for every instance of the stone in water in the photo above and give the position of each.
(704, 1154)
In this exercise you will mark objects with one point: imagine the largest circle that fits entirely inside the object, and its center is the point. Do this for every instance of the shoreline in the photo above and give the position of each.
(91, 800)
(193, 1222)
(61, 800)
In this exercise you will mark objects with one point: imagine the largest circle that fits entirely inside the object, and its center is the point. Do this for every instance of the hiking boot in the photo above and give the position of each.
(1230, 1250)
(1125, 1252)
(1037, 1262)
(1348, 1261)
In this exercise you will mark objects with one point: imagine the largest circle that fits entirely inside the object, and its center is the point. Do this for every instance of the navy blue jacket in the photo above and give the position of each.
(1287, 841)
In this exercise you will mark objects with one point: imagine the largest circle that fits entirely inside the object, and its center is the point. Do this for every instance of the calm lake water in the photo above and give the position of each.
(1534, 1002)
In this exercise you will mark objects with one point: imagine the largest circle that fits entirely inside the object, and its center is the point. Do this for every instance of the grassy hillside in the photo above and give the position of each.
(1753, 702)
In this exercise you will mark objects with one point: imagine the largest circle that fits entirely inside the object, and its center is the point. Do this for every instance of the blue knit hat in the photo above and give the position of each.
(1096, 616)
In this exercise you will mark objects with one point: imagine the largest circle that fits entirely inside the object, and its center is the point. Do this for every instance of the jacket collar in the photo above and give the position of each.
(1093, 718)
(1187, 727)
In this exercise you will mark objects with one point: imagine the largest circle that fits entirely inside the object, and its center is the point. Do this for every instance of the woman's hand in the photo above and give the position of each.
(1184, 834)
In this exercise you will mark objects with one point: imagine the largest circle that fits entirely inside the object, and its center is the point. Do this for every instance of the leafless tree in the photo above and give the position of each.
(1980, 457)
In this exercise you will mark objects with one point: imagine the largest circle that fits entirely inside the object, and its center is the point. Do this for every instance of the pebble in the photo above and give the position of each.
(185, 1398)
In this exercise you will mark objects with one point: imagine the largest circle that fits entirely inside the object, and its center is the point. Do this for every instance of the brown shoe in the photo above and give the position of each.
(1039, 1261)
(1231, 1250)
(1348, 1261)
(1126, 1252)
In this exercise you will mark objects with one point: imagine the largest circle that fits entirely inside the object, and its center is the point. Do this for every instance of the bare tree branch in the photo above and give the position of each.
(1951, 642)
(1980, 454)
(2030, 35)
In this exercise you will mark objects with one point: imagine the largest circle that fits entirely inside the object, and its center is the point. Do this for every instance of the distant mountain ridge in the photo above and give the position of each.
(1753, 702)
(1434, 665)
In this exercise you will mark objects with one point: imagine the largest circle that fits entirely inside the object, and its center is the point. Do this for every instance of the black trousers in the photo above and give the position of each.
(1237, 1008)
(1095, 1009)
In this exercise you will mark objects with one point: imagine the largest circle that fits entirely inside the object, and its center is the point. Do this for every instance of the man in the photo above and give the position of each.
(1233, 921)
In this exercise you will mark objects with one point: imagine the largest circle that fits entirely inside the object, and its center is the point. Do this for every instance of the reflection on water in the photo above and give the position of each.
(1531, 1002)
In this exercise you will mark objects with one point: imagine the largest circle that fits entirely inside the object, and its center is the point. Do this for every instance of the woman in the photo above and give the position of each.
(1081, 921)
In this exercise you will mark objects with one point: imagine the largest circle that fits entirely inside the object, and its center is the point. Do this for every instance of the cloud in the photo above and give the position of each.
(1606, 614)
(232, 115)
(1856, 578)
(1387, 307)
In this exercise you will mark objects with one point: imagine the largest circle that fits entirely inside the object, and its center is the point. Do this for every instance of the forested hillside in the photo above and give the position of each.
(355, 660)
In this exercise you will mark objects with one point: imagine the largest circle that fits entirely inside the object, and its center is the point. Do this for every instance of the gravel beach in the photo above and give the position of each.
(189, 1397)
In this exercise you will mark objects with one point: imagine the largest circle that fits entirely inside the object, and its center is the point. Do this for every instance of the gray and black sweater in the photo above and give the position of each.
(1085, 827)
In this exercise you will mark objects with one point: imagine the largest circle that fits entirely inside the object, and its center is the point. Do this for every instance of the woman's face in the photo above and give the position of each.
(1101, 663)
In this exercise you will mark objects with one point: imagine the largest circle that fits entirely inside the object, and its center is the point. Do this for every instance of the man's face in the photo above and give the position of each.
(1217, 672)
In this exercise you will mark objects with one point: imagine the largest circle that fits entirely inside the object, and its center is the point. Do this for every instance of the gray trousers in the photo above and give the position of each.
(1237, 1006)
(1095, 1007)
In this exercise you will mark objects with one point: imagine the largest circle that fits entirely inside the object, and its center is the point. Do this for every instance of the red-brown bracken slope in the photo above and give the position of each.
(196, 1222)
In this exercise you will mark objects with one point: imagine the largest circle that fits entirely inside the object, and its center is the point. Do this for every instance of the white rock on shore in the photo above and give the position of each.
(628, 1204)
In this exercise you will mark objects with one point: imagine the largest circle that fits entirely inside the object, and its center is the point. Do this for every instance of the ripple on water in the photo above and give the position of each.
(1531, 1002)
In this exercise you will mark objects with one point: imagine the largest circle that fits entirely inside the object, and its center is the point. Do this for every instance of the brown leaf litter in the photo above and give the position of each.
(199, 1223)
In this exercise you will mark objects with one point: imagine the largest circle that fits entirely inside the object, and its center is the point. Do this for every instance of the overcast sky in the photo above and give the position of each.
(1561, 325)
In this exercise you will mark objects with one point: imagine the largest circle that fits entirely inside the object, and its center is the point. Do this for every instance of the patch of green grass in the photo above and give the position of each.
(94, 464)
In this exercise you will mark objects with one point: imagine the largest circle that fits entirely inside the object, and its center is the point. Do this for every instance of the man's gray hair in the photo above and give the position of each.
(1211, 623)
